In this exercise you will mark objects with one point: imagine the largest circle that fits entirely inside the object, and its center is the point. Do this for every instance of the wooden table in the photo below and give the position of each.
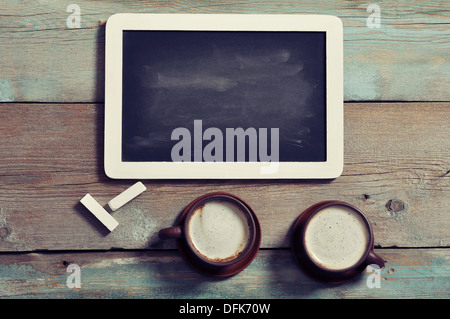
(397, 162)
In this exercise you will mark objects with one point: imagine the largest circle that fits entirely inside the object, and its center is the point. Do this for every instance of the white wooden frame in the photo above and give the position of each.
(331, 168)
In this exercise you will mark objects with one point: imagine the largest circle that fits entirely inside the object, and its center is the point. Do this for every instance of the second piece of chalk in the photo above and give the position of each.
(126, 196)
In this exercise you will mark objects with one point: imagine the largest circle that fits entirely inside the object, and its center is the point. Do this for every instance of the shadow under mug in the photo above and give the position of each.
(201, 262)
(319, 271)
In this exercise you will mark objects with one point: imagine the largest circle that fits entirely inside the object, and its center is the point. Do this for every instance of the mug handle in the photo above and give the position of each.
(171, 233)
(373, 258)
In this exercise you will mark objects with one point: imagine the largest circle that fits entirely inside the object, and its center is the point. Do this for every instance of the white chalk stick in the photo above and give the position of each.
(102, 215)
(126, 196)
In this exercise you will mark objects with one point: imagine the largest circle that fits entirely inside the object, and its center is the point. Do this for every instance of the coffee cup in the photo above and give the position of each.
(218, 233)
(333, 241)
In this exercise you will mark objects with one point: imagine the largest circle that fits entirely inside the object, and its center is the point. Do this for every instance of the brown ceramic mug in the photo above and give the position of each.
(333, 241)
(218, 233)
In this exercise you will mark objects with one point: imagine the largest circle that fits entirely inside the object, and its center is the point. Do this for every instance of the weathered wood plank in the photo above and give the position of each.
(405, 59)
(397, 163)
(409, 273)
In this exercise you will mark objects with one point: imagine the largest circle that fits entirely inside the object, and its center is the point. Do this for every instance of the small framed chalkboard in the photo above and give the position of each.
(223, 96)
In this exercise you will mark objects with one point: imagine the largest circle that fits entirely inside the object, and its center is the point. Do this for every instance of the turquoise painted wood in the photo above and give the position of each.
(420, 273)
(406, 59)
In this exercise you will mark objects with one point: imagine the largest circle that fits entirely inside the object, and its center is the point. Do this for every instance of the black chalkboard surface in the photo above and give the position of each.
(195, 80)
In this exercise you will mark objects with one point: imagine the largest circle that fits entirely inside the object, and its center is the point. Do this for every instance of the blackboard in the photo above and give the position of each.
(223, 79)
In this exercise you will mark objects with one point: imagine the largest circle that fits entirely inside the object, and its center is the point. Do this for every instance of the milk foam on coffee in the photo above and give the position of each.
(336, 237)
(219, 230)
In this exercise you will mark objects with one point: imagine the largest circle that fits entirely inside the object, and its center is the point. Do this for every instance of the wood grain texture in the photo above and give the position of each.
(405, 59)
(397, 163)
(410, 273)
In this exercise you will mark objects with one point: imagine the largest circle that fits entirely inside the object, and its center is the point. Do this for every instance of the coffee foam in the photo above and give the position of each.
(336, 237)
(219, 230)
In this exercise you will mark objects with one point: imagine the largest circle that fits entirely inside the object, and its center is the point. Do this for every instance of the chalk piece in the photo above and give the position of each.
(126, 196)
(102, 215)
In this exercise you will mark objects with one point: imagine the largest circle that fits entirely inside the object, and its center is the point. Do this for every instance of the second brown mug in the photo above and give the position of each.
(333, 241)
